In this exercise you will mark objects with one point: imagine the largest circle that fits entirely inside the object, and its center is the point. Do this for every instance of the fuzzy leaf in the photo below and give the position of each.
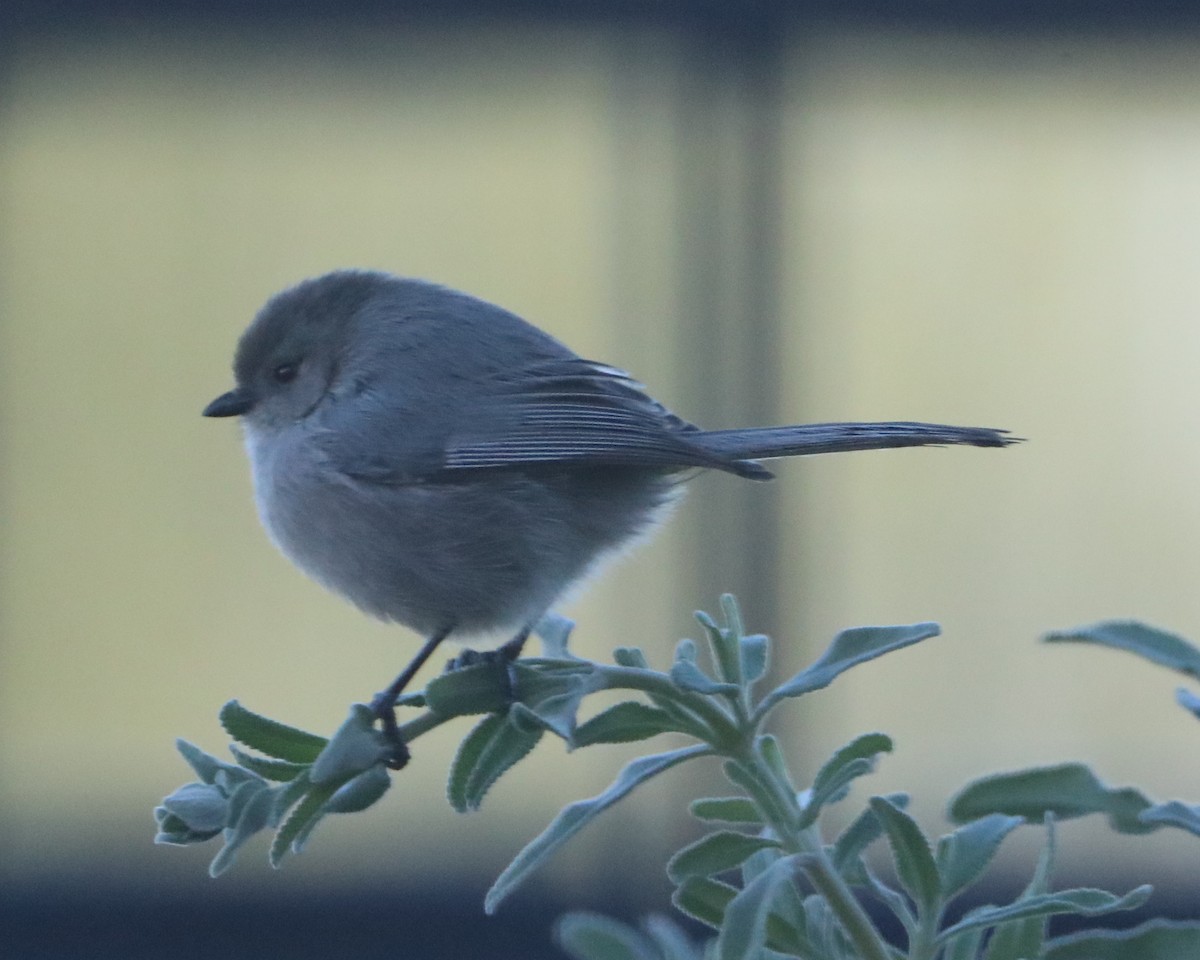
(1025, 936)
(850, 648)
(704, 899)
(624, 723)
(963, 855)
(204, 764)
(723, 642)
(864, 830)
(268, 736)
(914, 861)
(1154, 940)
(1157, 646)
(299, 823)
(592, 936)
(354, 747)
(854, 760)
(743, 933)
(755, 654)
(280, 771)
(771, 752)
(672, 942)
(287, 795)
(1083, 901)
(715, 853)
(687, 676)
(574, 817)
(481, 687)
(252, 814)
(1174, 814)
(1066, 790)
(726, 810)
(484, 755)
(360, 792)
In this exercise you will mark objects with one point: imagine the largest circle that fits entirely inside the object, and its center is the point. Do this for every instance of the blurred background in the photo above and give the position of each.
(769, 212)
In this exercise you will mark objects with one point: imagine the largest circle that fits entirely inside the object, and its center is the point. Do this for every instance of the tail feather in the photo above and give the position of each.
(764, 443)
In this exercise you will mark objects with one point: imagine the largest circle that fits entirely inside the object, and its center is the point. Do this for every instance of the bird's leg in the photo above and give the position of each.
(384, 704)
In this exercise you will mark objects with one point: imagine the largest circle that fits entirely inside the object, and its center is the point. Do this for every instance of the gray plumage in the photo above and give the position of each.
(444, 464)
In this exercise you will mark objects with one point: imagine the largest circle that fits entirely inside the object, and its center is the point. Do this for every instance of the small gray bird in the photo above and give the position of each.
(442, 463)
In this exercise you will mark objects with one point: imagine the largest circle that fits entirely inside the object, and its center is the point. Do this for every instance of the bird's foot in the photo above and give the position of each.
(384, 707)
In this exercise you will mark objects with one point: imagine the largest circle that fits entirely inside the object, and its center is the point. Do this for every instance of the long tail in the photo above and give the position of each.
(764, 443)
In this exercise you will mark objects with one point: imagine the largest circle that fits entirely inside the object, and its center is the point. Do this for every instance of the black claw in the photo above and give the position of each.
(383, 708)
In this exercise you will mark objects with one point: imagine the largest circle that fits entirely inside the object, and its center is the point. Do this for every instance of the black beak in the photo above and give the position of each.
(231, 404)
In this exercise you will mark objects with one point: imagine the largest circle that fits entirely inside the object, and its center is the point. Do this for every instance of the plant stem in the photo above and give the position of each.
(813, 858)
(845, 906)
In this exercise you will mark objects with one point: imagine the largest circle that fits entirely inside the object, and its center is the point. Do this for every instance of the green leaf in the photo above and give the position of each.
(204, 764)
(726, 810)
(1065, 791)
(672, 942)
(850, 648)
(481, 687)
(723, 642)
(788, 921)
(704, 899)
(1025, 936)
(574, 817)
(484, 755)
(1153, 940)
(755, 653)
(552, 698)
(1083, 901)
(768, 748)
(833, 780)
(861, 833)
(743, 932)
(250, 812)
(360, 792)
(300, 822)
(591, 936)
(624, 723)
(354, 747)
(715, 853)
(268, 736)
(915, 866)
(827, 937)
(1157, 646)
(963, 855)
(287, 795)
(280, 771)
(744, 776)
(1174, 814)
(687, 676)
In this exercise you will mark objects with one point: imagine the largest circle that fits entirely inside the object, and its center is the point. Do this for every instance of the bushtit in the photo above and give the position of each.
(442, 463)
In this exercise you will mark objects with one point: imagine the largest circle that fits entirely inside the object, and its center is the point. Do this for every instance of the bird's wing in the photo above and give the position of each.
(572, 410)
(562, 410)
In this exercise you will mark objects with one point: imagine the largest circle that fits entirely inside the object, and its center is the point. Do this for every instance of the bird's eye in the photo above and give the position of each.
(285, 372)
